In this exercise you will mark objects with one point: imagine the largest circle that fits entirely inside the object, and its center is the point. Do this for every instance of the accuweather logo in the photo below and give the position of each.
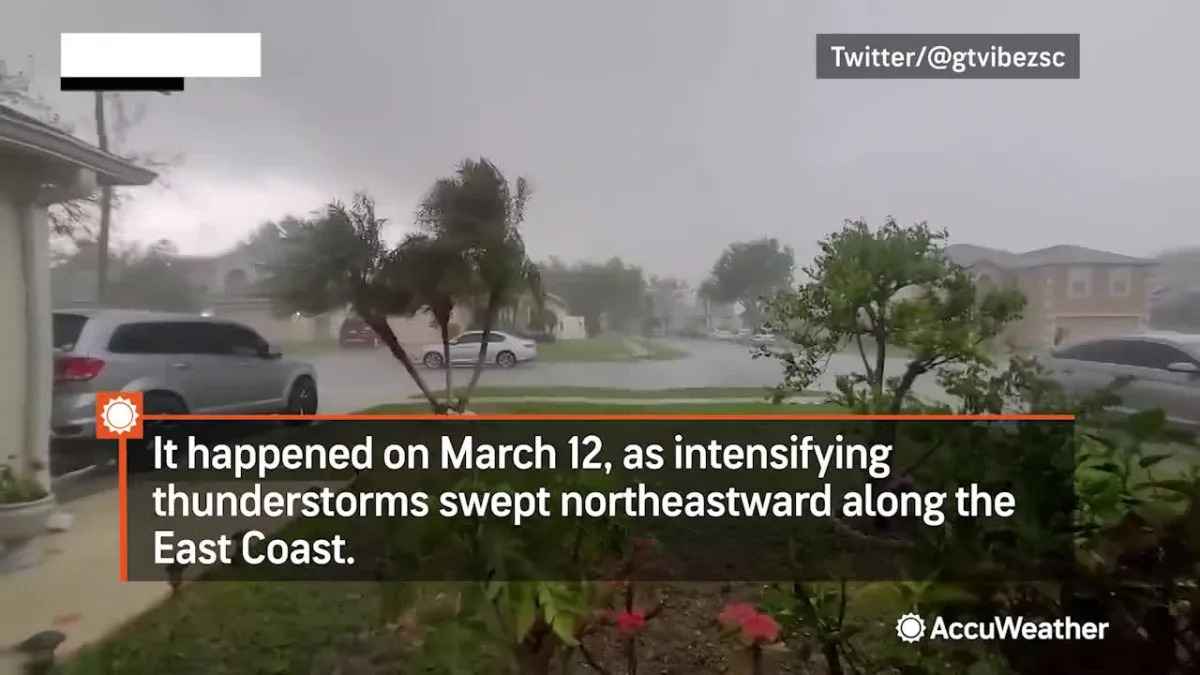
(911, 628)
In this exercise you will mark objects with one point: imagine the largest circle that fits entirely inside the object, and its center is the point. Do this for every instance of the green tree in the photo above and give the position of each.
(144, 277)
(436, 270)
(751, 272)
(476, 215)
(887, 286)
(339, 259)
(613, 291)
(149, 279)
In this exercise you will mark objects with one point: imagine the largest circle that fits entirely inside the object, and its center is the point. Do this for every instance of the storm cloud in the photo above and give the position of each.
(662, 130)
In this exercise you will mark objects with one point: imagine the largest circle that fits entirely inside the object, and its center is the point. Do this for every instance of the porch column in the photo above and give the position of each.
(25, 339)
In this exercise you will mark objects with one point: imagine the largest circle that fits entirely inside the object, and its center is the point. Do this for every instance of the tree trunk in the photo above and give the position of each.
(385, 333)
(488, 317)
(105, 209)
(445, 329)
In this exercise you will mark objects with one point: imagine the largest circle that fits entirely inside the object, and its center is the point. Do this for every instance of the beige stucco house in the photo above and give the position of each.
(565, 325)
(1073, 292)
(39, 166)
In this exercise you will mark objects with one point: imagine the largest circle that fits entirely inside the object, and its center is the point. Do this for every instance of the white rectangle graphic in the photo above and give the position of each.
(161, 55)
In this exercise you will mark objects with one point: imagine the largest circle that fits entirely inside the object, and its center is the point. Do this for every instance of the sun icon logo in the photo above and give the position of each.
(910, 628)
(120, 415)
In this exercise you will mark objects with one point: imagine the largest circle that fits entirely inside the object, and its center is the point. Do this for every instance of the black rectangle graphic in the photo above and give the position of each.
(755, 519)
(121, 84)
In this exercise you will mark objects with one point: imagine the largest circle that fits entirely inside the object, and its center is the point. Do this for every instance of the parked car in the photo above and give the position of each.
(354, 332)
(504, 349)
(1162, 369)
(182, 363)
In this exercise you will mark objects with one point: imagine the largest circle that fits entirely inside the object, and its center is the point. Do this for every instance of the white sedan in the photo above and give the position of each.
(504, 350)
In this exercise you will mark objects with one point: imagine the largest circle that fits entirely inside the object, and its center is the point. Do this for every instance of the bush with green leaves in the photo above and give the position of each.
(17, 489)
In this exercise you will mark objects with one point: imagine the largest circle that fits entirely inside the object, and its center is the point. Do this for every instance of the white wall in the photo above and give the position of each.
(571, 328)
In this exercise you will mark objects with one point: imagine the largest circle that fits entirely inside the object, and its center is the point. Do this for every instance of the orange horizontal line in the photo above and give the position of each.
(639, 417)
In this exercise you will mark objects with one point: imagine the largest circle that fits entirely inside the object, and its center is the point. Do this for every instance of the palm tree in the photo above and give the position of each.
(339, 259)
(436, 271)
(477, 213)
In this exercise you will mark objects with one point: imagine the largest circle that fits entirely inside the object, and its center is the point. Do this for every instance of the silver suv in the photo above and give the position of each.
(183, 363)
(1162, 370)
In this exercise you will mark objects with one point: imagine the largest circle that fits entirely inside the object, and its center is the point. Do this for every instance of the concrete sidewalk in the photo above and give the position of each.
(77, 590)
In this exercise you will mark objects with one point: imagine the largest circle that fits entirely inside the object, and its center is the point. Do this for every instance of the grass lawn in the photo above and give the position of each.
(593, 349)
(310, 348)
(607, 349)
(657, 351)
(233, 628)
(615, 393)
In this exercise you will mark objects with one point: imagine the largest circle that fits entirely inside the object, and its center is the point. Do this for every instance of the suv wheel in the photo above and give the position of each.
(506, 359)
(302, 399)
(141, 453)
(433, 360)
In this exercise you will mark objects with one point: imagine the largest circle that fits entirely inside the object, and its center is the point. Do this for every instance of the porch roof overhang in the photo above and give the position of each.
(24, 135)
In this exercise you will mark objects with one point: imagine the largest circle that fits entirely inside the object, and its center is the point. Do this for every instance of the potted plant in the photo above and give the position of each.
(25, 508)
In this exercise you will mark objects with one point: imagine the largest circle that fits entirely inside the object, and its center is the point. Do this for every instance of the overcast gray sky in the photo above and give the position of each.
(661, 130)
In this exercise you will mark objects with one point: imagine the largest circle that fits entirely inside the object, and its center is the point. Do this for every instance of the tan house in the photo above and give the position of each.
(1073, 292)
(565, 325)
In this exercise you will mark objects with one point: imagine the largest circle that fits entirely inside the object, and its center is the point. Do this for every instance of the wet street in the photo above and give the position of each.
(352, 380)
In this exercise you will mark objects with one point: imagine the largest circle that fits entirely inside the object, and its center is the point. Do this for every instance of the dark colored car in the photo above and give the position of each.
(356, 333)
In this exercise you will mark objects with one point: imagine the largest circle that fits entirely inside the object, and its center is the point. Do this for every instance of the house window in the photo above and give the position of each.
(1079, 281)
(1120, 279)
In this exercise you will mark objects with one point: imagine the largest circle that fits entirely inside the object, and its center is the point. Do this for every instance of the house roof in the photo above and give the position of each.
(26, 135)
(1064, 254)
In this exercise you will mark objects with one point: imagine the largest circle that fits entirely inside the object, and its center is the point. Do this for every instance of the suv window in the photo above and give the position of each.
(1154, 355)
(67, 329)
(230, 339)
(1103, 351)
(154, 337)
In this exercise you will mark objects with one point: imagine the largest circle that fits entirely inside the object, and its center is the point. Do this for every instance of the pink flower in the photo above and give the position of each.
(632, 621)
(736, 614)
(760, 629)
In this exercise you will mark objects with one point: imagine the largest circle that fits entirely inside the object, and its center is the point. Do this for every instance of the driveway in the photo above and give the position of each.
(352, 380)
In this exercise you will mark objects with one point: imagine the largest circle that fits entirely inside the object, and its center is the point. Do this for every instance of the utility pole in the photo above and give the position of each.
(105, 209)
